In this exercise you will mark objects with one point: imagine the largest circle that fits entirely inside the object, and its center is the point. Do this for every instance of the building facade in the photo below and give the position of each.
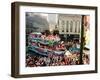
(70, 25)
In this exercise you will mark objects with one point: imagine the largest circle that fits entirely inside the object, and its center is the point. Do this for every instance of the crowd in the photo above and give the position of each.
(51, 60)
(72, 46)
(55, 60)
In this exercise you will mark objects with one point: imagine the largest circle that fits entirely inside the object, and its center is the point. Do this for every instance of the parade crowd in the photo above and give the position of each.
(71, 46)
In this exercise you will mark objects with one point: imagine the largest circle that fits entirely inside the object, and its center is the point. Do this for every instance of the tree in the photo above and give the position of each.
(36, 23)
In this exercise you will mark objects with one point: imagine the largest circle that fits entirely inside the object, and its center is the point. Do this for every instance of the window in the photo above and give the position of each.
(63, 23)
(71, 26)
(78, 23)
(75, 26)
(67, 26)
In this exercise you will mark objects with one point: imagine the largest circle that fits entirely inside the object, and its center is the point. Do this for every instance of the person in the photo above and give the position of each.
(56, 35)
(43, 36)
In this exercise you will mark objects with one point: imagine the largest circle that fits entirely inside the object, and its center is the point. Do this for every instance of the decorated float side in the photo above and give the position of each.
(37, 44)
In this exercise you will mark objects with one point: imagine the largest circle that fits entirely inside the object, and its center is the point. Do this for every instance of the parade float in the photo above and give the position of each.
(38, 45)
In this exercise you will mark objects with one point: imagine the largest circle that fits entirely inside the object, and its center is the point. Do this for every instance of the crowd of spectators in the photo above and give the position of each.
(55, 60)
(73, 58)
(51, 60)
